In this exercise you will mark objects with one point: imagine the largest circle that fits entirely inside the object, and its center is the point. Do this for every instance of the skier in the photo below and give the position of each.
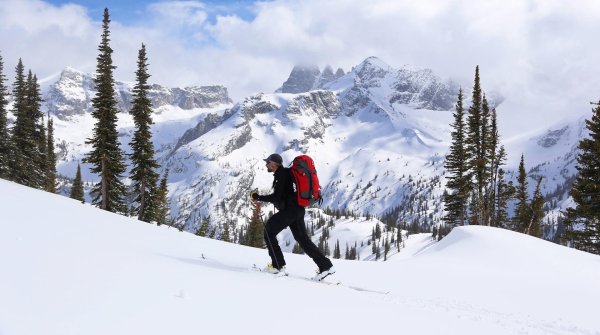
(289, 214)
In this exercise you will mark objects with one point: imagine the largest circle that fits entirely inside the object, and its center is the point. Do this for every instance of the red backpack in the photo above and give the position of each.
(306, 181)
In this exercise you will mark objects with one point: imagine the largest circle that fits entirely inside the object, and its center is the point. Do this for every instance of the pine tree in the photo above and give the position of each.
(143, 163)
(455, 201)
(386, 249)
(22, 164)
(5, 147)
(204, 227)
(522, 210)
(225, 233)
(162, 200)
(475, 149)
(505, 192)
(34, 103)
(106, 155)
(77, 187)
(337, 253)
(537, 211)
(377, 231)
(297, 249)
(254, 233)
(496, 158)
(399, 239)
(582, 222)
(51, 159)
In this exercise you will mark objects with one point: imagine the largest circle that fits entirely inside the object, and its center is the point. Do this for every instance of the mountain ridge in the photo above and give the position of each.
(378, 134)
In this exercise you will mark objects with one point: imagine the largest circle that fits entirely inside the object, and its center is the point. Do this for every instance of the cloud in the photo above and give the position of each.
(180, 12)
(539, 54)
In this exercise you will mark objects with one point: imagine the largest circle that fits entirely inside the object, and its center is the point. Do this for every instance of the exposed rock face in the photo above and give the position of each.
(305, 78)
(72, 94)
(552, 137)
(417, 88)
(302, 79)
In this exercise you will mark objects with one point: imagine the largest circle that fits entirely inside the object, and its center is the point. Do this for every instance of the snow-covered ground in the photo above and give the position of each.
(69, 268)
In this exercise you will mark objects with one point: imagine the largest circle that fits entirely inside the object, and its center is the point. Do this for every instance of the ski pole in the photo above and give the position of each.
(269, 245)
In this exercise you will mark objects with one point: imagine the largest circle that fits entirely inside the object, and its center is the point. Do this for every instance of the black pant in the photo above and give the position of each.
(293, 217)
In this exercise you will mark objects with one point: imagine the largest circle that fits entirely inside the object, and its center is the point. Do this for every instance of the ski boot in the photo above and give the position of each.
(321, 274)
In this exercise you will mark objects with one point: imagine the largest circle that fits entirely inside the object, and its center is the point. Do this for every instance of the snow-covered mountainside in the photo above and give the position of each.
(552, 156)
(176, 110)
(72, 95)
(70, 268)
(378, 135)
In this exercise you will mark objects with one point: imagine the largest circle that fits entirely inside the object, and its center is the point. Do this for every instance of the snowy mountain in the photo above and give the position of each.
(378, 135)
(94, 272)
(72, 95)
(552, 156)
(304, 78)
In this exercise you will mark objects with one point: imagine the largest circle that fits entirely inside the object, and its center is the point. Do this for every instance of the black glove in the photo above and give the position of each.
(254, 196)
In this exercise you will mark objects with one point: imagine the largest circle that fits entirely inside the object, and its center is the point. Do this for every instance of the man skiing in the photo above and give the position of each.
(289, 214)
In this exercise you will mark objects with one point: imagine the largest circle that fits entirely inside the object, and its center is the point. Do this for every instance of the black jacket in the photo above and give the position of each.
(283, 190)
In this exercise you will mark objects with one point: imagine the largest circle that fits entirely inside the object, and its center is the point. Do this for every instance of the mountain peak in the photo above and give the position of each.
(71, 73)
(301, 79)
(372, 64)
(305, 78)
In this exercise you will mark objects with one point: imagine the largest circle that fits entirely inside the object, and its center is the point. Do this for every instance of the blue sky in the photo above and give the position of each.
(133, 11)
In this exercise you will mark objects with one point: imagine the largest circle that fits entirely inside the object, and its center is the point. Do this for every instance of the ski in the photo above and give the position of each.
(278, 274)
(322, 281)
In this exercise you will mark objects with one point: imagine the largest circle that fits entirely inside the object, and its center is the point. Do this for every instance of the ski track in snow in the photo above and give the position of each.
(513, 323)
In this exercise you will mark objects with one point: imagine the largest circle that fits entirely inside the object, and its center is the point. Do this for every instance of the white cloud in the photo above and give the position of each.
(180, 12)
(540, 54)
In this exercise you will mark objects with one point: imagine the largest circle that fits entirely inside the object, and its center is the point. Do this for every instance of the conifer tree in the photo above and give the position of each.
(106, 155)
(143, 163)
(204, 227)
(225, 233)
(162, 200)
(337, 253)
(522, 210)
(496, 158)
(297, 249)
(458, 180)
(386, 249)
(254, 234)
(77, 187)
(475, 149)
(537, 211)
(5, 151)
(377, 231)
(22, 164)
(34, 103)
(51, 159)
(582, 222)
(505, 192)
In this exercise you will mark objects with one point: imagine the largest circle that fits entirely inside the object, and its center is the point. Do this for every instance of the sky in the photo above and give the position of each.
(540, 55)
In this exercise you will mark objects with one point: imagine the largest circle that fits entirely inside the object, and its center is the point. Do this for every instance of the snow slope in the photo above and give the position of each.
(69, 268)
